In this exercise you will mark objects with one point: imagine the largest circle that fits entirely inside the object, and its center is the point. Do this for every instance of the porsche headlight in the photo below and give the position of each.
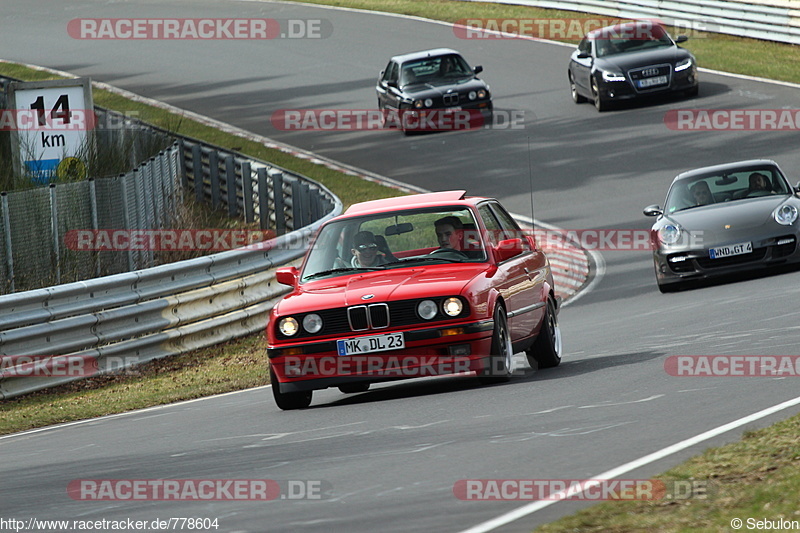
(427, 309)
(669, 234)
(312, 323)
(612, 76)
(785, 215)
(452, 306)
(683, 64)
(288, 326)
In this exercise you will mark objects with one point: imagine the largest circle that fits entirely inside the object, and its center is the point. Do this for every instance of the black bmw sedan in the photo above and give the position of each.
(630, 60)
(433, 90)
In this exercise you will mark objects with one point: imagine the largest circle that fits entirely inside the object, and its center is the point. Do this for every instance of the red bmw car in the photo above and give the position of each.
(413, 286)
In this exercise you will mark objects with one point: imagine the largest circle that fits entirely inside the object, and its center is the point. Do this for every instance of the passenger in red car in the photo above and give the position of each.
(366, 252)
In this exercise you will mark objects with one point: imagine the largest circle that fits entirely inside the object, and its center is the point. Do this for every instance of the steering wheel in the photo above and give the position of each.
(458, 253)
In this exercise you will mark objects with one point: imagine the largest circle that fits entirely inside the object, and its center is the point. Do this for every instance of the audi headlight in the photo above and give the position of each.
(288, 326)
(452, 307)
(683, 64)
(785, 215)
(612, 76)
(312, 323)
(669, 234)
(427, 309)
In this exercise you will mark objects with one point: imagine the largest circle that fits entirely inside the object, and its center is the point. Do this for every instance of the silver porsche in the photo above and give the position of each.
(724, 219)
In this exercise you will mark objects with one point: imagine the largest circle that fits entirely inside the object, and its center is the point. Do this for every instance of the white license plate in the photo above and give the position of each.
(452, 109)
(373, 343)
(731, 249)
(649, 82)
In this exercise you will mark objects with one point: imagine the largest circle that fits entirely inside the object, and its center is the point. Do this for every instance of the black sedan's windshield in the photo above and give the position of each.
(449, 66)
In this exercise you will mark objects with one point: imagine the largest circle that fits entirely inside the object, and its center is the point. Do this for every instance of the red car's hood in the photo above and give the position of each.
(383, 285)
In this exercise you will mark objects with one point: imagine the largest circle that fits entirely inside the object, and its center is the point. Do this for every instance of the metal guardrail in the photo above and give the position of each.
(773, 20)
(59, 334)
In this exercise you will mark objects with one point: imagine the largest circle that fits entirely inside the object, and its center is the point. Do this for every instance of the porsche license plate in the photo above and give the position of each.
(649, 82)
(373, 343)
(731, 249)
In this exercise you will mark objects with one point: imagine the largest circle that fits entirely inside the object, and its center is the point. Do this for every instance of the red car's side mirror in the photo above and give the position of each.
(508, 248)
(286, 276)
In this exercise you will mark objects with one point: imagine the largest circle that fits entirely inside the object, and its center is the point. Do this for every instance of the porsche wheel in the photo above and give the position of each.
(288, 400)
(546, 349)
(502, 354)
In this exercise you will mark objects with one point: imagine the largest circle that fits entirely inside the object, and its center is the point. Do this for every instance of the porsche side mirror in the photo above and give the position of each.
(286, 276)
(653, 211)
(584, 55)
(478, 69)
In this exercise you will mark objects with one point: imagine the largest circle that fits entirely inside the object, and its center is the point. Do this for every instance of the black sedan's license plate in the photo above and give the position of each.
(732, 249)
(373, 343)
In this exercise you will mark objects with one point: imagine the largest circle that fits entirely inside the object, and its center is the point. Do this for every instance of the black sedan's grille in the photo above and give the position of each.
(450, 99)
(651, 77)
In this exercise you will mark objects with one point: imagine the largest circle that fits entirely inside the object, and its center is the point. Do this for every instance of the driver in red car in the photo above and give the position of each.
(368, 252)
(449, 232)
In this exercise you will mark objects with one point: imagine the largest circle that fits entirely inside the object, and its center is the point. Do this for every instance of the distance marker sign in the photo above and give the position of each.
(52, 123)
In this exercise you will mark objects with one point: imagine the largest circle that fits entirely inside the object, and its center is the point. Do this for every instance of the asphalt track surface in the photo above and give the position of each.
(391, 457)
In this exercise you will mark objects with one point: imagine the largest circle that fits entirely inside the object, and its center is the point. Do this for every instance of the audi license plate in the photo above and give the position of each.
(373, 343)
(649, 82)
(731, 249)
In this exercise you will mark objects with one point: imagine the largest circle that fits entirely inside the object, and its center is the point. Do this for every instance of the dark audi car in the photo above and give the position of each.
(724, 219)
(630, 60)
(433, 90)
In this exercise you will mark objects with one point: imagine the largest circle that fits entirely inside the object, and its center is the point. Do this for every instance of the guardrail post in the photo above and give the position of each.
(182, 159)
(213, 167)
(247, 192)
(298, 199)
(230, 185)
(126, 214)
(263, 199)
(9, 249)
(54, 232)
(197, 171)
(95, 223)
(277, 194)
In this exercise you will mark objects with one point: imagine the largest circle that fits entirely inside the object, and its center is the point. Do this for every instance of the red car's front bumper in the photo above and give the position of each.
(431, 351)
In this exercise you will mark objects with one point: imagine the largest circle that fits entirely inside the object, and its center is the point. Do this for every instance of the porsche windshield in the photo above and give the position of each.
(395, 240)
(725, 186)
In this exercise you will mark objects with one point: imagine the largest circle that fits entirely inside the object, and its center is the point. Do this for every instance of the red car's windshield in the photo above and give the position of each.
(395, 240)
